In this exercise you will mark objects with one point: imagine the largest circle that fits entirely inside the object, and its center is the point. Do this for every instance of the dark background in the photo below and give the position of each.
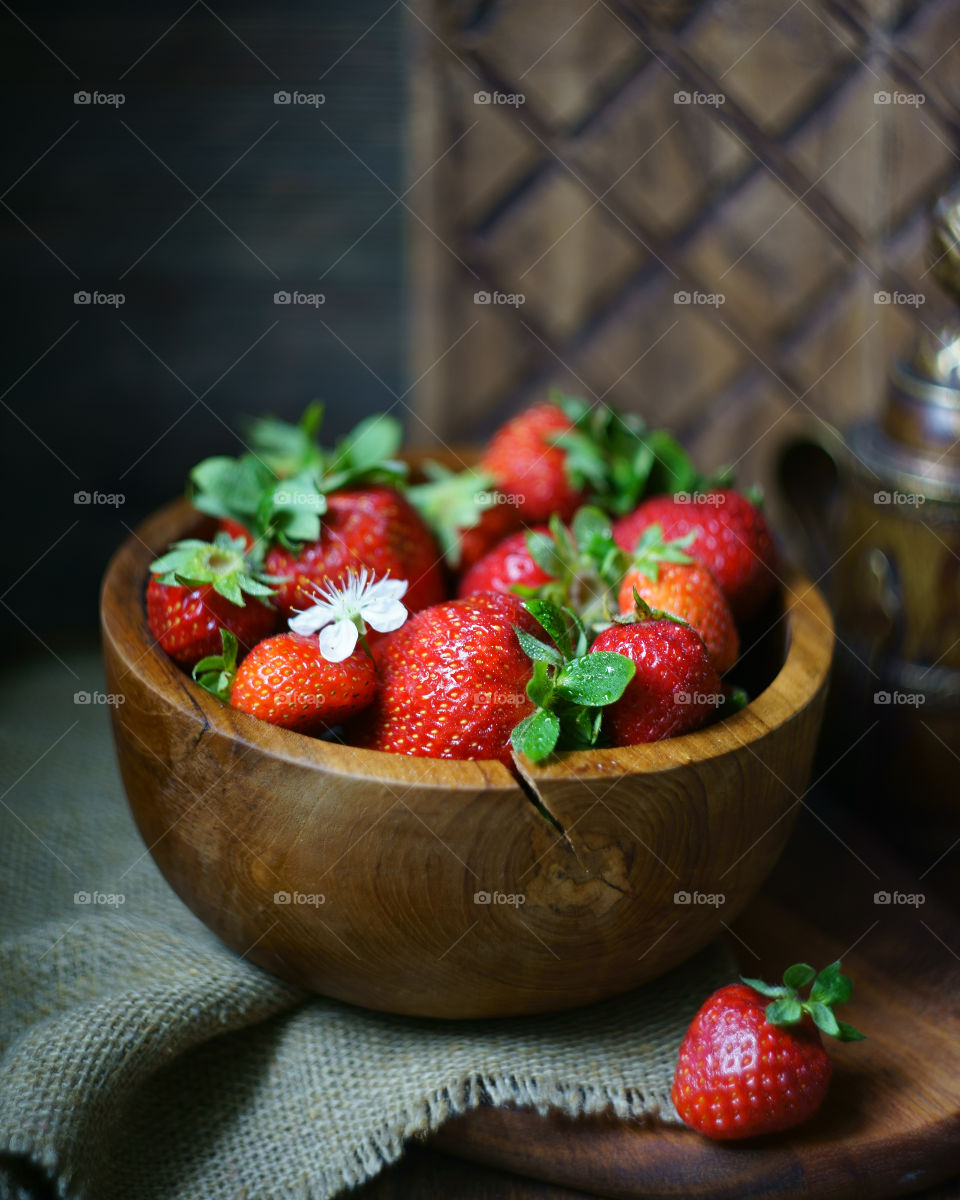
(97, 197)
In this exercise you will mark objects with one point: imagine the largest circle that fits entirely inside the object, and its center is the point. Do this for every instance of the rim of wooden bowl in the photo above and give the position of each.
(809, 650)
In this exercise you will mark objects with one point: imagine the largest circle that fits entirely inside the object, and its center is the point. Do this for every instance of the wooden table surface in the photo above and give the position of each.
(891, 1123)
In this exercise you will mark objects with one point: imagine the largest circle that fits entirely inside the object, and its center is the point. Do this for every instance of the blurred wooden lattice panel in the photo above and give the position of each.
(692, 206)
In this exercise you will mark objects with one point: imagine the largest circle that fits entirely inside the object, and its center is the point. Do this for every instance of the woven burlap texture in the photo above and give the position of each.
(142, 1060)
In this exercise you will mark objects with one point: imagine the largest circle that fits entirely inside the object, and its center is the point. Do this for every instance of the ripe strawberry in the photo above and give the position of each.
(497, 522)
(748, 1066)
(197, 588)
(675, 689)
(732, 538)
(525, 463)
(506, 564)
(669, 579)
(286, 680)
(453, 682)
(372, 527)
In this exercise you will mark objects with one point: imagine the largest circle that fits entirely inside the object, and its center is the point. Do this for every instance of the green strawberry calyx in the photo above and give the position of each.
(223, 564)
(619, 460)
(652, 550)
(585, 564)
(829, 988)
(569, 686)
(451, 502)
(216, 672)
(278, 489)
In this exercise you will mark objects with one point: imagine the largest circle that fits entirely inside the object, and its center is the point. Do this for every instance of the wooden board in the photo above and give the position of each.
(891, 1123)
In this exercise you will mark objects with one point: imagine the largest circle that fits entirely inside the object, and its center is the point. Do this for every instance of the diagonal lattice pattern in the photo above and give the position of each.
(774, 163)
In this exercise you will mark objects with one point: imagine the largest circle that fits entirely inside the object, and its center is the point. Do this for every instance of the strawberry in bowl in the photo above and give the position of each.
(406, 771)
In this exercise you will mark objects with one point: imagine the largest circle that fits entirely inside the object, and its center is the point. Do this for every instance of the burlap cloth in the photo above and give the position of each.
(142, 1060)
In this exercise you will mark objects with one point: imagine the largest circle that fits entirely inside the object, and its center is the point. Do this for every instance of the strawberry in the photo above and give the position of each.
(530, 468)
(198, 588)
(752, 1061)
(669, 579)
(453, 682)
(675, 689)
(373, 527)
(287, 681)
(507, 564)
(731, 538)
(496, 522)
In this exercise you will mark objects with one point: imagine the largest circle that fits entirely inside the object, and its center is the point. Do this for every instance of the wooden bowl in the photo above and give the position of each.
(449, 889)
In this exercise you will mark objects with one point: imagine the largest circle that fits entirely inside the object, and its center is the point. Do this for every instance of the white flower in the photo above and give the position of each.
(341, 614)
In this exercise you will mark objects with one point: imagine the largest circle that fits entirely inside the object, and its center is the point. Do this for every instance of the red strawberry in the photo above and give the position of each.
(453, 682)
(496, 523)
(732, 538)
(198, 588)
(676, 688)
(529, 468)
(667, 578)
(234, 529)
(286, 680)
(752, 1061)
(507, 564)
(372, 527)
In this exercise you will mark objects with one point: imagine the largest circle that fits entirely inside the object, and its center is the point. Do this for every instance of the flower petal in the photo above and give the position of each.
(384, 614)
(311, 619)
(338, 641)
(391, 589)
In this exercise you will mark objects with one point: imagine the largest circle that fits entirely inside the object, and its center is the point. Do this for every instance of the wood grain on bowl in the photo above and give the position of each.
(454, 889)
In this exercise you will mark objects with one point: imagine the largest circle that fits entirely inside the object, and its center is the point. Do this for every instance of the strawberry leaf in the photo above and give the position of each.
(847, 1033)
(552, 619)
(831, 987)
(540, 685)
(799, 975)
(775, 992)
(537, 650)
(216, 672)
(285, 448)
(785, 1011)
(451, 502)
(373, 442)
(595, 679)
(823, 1017)
(545, 553)
(536, 735)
